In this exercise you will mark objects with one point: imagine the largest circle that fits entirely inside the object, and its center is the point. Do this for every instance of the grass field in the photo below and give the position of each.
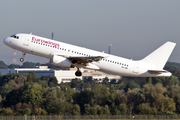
(92, 117)
(82, 119)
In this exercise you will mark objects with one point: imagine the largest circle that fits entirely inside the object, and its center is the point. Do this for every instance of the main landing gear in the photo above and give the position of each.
(22, 59)
(78, 72)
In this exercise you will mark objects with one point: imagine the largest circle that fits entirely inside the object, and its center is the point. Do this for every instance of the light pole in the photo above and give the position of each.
(110, 48)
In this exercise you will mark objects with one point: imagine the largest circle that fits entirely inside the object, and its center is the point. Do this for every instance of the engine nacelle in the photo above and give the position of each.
(60, 61)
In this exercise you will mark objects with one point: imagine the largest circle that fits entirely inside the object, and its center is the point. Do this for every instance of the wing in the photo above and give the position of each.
(85, 60)
(82, 61)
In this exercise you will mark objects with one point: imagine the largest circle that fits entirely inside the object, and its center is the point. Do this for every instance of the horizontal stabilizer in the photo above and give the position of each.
(158, 71)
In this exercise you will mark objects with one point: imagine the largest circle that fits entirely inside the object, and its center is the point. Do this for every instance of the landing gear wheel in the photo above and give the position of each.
(78, 73)
(21, 59)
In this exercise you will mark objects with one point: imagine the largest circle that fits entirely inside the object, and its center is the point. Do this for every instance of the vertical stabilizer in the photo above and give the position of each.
(160, 56)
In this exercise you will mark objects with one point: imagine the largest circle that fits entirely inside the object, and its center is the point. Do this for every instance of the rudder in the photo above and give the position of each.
(160, 56)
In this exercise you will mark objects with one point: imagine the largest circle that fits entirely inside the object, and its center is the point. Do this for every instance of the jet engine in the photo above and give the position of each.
(60, 61)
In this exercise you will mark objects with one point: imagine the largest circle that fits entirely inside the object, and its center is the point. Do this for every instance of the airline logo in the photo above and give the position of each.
(45, 42)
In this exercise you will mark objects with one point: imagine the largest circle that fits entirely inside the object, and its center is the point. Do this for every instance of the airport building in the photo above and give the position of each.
(62, 75)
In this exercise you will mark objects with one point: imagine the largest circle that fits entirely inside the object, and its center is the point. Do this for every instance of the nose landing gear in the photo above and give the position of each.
(22, 59)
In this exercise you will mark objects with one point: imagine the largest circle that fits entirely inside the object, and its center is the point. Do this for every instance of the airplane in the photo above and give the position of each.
(70, 56)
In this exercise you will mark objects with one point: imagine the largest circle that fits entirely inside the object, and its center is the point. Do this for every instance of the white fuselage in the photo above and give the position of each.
(109, 64)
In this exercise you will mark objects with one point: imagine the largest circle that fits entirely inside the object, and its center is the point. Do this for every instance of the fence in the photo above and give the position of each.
(88, 117)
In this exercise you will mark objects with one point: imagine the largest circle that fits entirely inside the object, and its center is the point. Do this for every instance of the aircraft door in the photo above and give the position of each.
(26, 40)
(136, 68)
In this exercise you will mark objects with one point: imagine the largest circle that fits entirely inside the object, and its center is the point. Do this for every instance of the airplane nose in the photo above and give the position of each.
(4, 40)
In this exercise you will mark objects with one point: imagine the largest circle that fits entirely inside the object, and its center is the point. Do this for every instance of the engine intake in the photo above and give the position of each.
(60, 61)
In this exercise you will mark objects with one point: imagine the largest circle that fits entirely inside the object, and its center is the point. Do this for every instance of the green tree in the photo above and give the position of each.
(167, 81)
(28, 65)
(76, 110)
(69, 93)
(145, 109)
(149, 80)
(14, 66)
(27, 111)
(105, 80)
(84, 97)
(76, 83)
(151, 92)
(32, 77)
(169, 105)
(9, 76)
(33, 95)
(101, 94)
(134, 98)
(174, 69)
(3, 65)
(173, 92)
(53, 82)
(55, 101)
(131, 85)
(123, 109)
(90, 110)
(120, 99)
(6, 111)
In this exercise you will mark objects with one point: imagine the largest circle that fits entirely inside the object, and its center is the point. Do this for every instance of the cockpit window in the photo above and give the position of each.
(14, 36)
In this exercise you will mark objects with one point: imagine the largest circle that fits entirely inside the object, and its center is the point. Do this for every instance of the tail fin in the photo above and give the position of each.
(160, 56)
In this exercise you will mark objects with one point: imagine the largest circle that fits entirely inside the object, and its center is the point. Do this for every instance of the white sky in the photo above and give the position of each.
(134, 27)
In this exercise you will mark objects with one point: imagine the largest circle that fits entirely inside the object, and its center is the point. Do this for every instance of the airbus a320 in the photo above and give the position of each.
(69, 56)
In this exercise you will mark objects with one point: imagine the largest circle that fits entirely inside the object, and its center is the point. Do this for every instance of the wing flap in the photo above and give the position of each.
(90, 59)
